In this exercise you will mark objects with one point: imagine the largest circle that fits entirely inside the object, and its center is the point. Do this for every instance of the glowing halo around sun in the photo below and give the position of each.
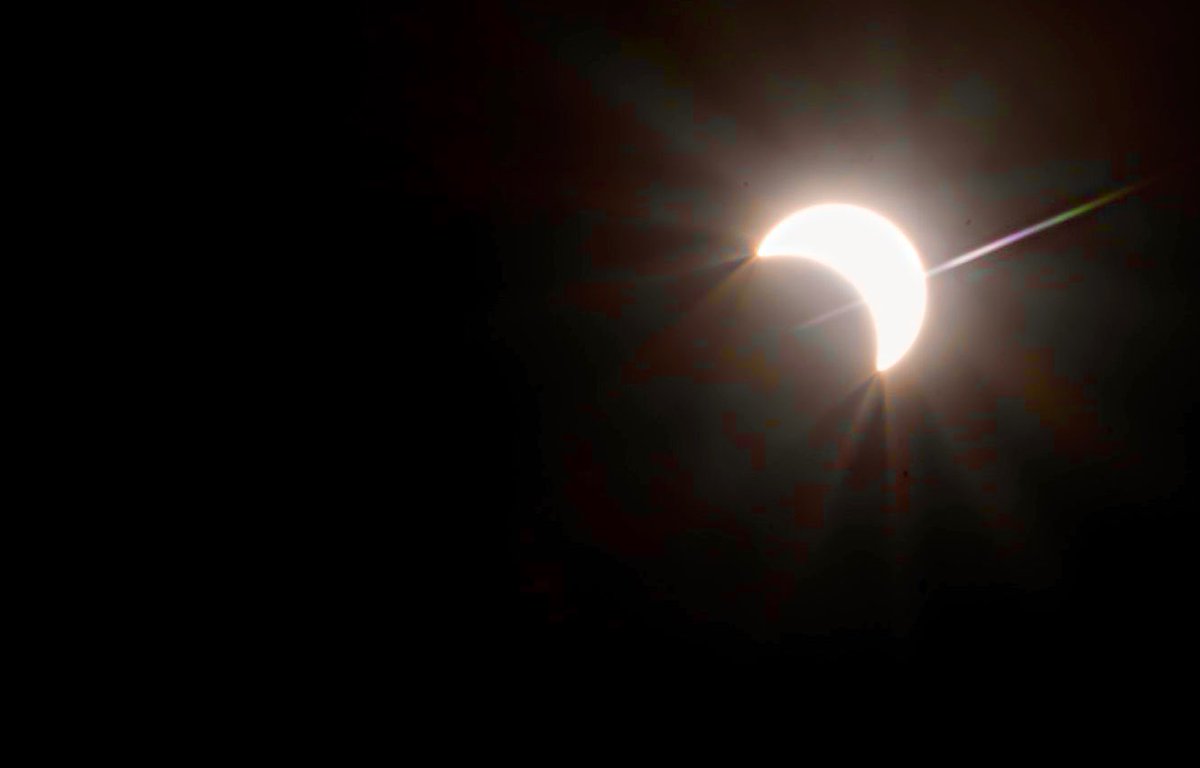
(873, 255)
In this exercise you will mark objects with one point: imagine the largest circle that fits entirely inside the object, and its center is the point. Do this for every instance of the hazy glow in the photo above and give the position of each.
(873, 255)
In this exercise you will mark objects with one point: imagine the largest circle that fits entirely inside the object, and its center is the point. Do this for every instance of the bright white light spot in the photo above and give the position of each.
(873, 255)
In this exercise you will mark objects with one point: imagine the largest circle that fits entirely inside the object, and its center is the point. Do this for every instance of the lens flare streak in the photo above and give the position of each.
(1007, 240)
(994, 246)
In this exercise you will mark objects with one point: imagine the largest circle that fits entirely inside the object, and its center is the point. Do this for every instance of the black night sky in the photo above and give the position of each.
(640, 458)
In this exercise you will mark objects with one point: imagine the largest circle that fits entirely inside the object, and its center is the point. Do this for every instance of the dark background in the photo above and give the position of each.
(634, 459)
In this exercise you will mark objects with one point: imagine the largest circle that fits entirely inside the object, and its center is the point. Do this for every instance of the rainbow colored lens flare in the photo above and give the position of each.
(1003, 242)
(1007, 240)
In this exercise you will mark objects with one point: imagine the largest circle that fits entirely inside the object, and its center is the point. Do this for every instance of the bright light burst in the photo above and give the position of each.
(873, 255)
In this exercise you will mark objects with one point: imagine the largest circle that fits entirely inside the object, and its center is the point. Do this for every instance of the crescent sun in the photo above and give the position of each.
(873, 255)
